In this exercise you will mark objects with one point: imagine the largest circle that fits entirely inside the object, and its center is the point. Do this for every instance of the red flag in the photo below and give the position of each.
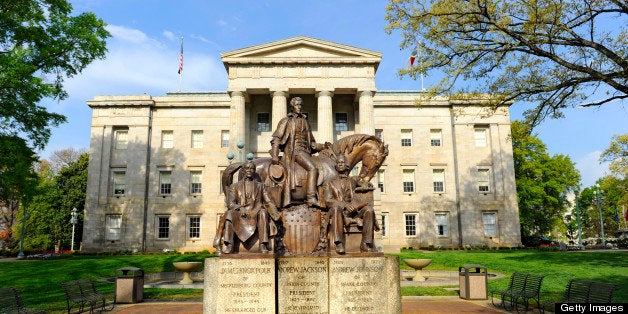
(413, 55)
(181, 59)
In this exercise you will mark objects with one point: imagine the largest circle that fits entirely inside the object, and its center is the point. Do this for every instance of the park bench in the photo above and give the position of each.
(10, 302)
(588, 291)
(531, 291)
(515, 286)
(82, 296)
(521, 289)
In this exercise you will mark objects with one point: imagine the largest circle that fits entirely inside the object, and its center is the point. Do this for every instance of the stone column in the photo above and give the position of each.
(238, 121)
(367, 122)
(280, 108)
(325, 117)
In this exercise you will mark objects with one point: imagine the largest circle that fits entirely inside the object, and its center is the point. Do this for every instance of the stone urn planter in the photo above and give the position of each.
(186, 268)
(418, 264)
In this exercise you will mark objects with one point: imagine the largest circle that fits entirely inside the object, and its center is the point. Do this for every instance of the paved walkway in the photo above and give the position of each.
(448, 304)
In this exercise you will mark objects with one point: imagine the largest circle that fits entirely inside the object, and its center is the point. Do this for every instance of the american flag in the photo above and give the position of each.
(181, 59)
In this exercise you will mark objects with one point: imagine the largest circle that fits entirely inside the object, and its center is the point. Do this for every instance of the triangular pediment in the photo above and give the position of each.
(301, 50)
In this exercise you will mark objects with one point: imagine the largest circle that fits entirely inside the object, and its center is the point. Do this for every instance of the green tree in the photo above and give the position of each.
(44, 223)
(612, 192)
(617, 155)
(40, 45)
(16, 181)
(552, 53)
(588, 213)
(50, 210)
(543, 182)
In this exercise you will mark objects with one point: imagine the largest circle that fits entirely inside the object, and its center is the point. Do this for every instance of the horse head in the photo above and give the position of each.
(368, 149)
(372, 160)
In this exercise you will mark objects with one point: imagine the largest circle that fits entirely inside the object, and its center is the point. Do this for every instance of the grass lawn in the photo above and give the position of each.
(38, 281)
(557, 267)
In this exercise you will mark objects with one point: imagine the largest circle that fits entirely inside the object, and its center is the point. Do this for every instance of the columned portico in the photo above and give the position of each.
(325, 117)
(238, 120)
(367, 122)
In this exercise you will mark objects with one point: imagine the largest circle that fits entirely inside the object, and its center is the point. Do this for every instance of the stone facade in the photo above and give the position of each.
(155, 161)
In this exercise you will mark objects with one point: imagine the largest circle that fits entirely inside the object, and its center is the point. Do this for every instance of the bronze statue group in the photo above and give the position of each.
(256, 202)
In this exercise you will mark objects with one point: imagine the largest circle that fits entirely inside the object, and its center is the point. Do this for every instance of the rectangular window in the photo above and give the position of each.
(410, 224)
(406, 137)
(195, 182)
(441, 221)
(263, 122)
(194, 227)
(118, 183)
(163, 227)
(165, 183)
(408, 181)
(379, 133)
(384, 225)
(122, 139)
(436, 137)
(380, 181)
(483, 180)
(224, 138)
(113, 224)
(438, 176)
(167, 139)
(480, 135)
(489, 219)
(197, 139)
(341, 121)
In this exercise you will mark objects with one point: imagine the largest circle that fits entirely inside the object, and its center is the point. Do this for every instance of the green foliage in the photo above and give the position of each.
(617, 155)
(613, 195)
(549, 52)
(16, 180)
(48, 220)
(542, 182)
(40, 45)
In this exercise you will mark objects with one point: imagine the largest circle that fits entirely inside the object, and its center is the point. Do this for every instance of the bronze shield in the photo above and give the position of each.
(302, 226)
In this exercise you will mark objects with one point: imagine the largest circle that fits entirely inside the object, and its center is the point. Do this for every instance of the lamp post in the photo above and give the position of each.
(73, 221)
(598, 201)
(240, 148)
(21, 254)
(231, 156)
(580, 246)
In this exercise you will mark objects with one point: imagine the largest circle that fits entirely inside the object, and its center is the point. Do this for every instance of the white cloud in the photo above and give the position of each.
(127, 34)
(203, 39)
(135, 64)
(170, 35)
(590, 168)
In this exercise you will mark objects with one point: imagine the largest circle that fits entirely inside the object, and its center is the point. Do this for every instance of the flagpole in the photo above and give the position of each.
(421, 66)
(181, 65)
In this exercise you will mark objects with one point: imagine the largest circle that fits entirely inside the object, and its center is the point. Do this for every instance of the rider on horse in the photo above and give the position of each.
(294, 137)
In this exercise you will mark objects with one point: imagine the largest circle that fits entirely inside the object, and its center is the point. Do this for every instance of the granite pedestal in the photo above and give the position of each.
(336, 284)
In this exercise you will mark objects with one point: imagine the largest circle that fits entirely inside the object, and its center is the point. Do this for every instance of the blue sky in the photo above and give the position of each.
(144, 51)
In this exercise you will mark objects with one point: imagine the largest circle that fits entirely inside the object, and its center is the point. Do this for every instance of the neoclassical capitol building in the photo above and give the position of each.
(156, 161)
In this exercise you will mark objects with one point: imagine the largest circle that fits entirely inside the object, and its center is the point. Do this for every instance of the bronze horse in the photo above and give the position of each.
(368, 149)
